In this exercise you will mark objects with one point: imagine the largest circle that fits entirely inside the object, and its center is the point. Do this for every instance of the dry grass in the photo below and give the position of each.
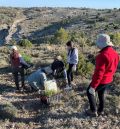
(67, 113)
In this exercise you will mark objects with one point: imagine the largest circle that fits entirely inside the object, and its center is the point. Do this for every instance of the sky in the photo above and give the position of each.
(99, 4)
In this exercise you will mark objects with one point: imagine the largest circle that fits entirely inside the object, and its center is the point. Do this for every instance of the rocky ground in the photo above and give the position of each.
(26, 108)
(69, 112)
(39, 24)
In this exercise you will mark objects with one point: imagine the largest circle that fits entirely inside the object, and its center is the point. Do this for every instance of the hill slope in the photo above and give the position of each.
(43, 22)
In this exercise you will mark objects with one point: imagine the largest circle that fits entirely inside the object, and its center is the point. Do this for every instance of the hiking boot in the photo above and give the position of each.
(68, 87)
(91, 113)
(100, 113)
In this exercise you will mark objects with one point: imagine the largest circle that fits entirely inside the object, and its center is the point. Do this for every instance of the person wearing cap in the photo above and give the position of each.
(72, 60)
(17, 63)
(58, 68)
(105, 68)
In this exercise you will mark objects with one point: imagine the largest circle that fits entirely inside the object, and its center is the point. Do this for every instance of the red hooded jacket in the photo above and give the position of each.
(106, 66)
(15, 60)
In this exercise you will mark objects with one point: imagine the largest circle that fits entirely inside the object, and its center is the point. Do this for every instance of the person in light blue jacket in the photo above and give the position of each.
(38, 78)
(72, 60)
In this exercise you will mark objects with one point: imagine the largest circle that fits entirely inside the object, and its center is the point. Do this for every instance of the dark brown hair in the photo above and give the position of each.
(69, 43)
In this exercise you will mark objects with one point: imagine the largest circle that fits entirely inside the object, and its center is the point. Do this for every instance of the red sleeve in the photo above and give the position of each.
(119, 57)
(99, 71)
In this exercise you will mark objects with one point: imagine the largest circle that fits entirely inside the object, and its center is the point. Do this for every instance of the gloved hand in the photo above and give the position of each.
(92, 91)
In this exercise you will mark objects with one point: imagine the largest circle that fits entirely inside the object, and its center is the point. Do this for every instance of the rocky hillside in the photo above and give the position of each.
(24, 110)
(40, 23)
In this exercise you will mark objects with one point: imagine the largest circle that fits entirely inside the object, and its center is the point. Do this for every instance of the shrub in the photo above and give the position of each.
(25, 43)
(103, 19)
(8, 111)
(85, 68)
(113, 104)
(49, 93)
(27, 58)
(80, 38)
(64, 57)
(115, 38)
(61, 36)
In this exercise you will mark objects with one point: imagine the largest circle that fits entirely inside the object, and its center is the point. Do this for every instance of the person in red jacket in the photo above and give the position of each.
(106, 66)
(17, 65)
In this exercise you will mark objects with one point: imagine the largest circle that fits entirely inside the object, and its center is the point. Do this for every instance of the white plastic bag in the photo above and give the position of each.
(51, 85)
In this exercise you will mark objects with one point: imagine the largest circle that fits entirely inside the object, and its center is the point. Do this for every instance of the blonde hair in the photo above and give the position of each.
(58, 57)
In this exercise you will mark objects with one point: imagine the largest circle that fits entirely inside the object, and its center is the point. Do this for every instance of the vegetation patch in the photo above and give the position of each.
(8, 111)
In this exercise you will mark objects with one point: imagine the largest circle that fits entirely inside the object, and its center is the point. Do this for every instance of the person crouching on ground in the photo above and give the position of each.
(37, 79)
(58, 68)
(106, 66)
(17, 63)
(72, 60)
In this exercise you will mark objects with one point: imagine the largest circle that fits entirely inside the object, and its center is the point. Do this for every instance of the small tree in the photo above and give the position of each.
(25, 43)
(115, 38)
(85, 67)
(61, 36)
(26, 57)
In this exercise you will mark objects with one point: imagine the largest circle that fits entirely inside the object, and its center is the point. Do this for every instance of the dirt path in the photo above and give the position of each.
(14, 29)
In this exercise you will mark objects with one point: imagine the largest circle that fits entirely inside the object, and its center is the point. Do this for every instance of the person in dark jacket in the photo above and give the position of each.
(58, 68)
(72, 60)
(17, 63)
(106, 66)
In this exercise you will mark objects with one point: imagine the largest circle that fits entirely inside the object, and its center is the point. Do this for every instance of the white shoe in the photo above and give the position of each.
(68, 87)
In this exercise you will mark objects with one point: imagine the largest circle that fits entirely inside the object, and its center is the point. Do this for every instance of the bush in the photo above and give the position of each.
(115, 38)
(50, 93)
(25, 43)
(64, 58)
(81, 38)
(61, 36)
(113, 104)
(8, 111)
(85, 68)
(103, 19)
(27, 58)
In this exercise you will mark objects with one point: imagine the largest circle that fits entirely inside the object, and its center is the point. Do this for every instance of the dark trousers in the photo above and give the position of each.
(92, 100)
(70, 73)
(16, 72)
